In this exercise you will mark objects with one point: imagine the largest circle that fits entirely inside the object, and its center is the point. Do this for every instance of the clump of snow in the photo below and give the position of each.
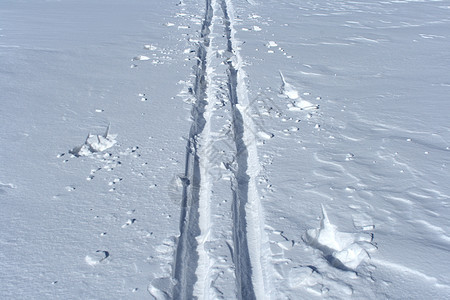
(271, 44)
(302, 104)
(150, 47)
(141, 57)
(343, 250)
(287, 89)
(265, 135)
(95, 143)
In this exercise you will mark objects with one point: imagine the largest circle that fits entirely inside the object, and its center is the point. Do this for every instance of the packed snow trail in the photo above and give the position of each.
(196, 267)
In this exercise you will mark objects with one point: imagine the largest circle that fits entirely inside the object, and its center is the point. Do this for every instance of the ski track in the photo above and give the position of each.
(193, 267)
(249, 237)
(187, 258)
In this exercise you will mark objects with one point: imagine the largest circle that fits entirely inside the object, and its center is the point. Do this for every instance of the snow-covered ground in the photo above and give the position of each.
(224, 149)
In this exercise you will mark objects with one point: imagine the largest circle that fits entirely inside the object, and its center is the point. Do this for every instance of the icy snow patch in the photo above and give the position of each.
(150, 47)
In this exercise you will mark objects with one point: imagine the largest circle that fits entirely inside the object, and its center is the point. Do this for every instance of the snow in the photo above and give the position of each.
(341, 249)
(235, 149)
(95, 143)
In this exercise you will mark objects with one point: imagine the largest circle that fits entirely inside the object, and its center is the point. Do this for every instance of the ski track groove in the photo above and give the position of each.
(250, 252)
(248, 224)
(187, 258)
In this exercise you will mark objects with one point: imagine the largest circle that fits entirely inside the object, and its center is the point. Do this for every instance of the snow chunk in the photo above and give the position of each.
(150, 47)
(302, 104)
(265, 135)
(287, 89)
(95, 143)
(351, 256)
(343, 250)
(141, 57)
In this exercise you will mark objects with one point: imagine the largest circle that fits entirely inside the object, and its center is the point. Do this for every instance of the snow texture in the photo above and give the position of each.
(258, 149)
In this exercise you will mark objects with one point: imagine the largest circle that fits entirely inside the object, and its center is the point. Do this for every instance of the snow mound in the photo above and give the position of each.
(343, 250)
(95, 143)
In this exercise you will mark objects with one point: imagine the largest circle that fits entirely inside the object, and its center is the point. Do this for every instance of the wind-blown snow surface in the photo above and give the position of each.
(256, 149)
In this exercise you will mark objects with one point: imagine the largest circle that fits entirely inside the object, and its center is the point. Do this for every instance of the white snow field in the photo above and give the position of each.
(224, 149)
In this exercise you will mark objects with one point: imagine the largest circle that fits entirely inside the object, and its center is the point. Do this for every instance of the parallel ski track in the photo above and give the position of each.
(248, 220)
(186, 257)
(191, 268)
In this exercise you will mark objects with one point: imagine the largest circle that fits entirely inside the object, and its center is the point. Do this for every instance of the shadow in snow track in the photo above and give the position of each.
(240, 185)
(186, 256)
